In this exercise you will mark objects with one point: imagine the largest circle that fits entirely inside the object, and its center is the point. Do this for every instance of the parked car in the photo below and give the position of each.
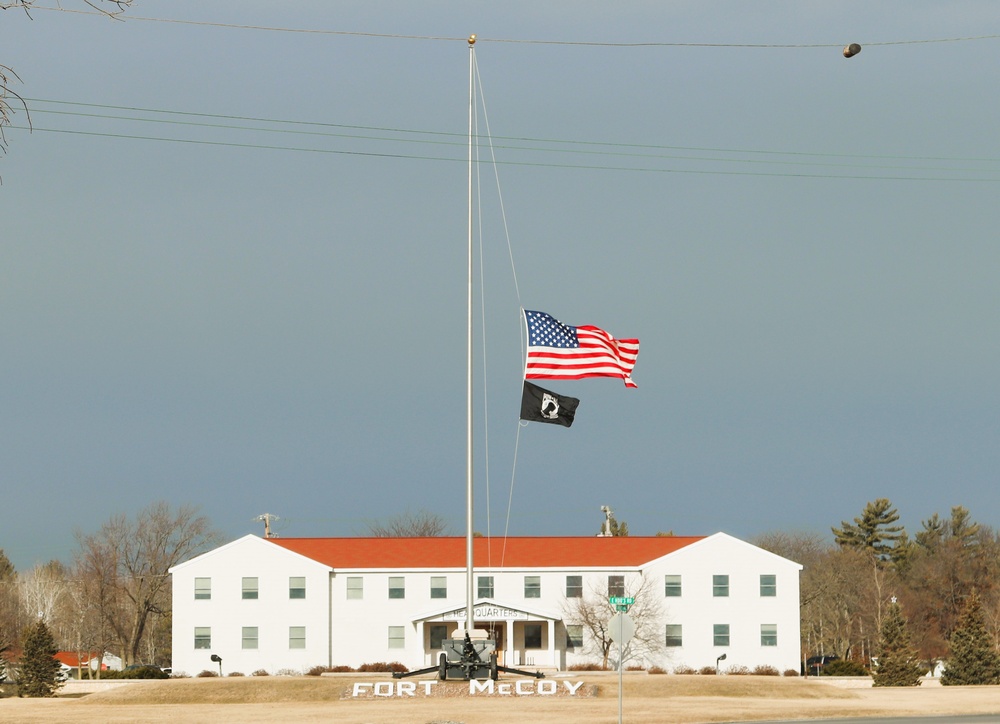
(814, 665)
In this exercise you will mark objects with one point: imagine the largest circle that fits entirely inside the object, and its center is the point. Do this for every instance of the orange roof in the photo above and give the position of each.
(70, 658)
(449, 552)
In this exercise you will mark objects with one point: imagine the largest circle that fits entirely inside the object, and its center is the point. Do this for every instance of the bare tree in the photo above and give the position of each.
(138, 555)
(9, 99)
(594, 613)
(99, 597)
(42, 590)
(421, 524)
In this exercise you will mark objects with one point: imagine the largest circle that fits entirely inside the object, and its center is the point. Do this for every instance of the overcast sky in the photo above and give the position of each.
(233, 267)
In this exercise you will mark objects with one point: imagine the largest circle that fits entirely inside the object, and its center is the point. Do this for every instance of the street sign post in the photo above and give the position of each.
(622, 629)
(621, 603)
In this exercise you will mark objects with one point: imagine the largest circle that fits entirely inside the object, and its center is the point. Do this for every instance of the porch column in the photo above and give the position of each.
(508, 658)
(551, 624)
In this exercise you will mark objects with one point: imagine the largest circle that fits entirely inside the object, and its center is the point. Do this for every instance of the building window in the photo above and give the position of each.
(397, 587)
(574, 586)
(439, 587)
(249, 637)
(485, 587)
(720, 634)
(768, 584)
(397, 637)
(532, 586)
(250, 590)
(532, 635)
(439, 633)
(674, 635)
(616, 585)
(355, 588)
(574, 636)
(297, 587)
(720, 586)
(296, 637)
(672, 586)
(769, 634)
(203, 637)
(202, 589)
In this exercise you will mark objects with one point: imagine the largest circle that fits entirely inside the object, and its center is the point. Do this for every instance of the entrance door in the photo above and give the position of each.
(496, 631)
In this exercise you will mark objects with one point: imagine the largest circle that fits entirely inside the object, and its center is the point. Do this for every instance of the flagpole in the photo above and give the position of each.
(469, 600)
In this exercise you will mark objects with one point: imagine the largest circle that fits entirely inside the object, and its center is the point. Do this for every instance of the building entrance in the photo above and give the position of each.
(497, 633)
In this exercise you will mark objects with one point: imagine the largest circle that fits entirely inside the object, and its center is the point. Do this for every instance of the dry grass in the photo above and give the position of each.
(754, 687)
(246, 690)
(650, 699)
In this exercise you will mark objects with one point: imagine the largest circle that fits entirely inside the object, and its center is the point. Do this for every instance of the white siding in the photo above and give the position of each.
(342, 631)
(273, 612)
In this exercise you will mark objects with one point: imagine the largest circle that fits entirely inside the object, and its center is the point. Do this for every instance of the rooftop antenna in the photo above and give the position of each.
(606, 525)
(267, 518)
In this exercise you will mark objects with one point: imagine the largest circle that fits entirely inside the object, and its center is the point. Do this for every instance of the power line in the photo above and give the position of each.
(459, 139)
(647, 153)
(586, 167)
(523, 41)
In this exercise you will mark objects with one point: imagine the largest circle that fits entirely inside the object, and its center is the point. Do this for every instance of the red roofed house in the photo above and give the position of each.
(294, 603)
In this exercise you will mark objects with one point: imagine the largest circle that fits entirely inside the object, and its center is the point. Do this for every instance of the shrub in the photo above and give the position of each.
(587, 667)
(765, 670)
(684, 670)
(790, 672)
(635, 667)
(381, 667)
(235, 673)
(844, 667)
(142, 672)
(287, 672)
(656, 670)
(260, 672)
(206, 674)
(317, 670)
(707, 671)
(738, 671)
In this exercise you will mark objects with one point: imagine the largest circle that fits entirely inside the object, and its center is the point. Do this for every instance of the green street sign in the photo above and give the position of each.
(621, 600)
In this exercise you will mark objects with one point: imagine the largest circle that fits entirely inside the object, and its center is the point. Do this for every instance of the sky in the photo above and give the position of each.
(234, 263)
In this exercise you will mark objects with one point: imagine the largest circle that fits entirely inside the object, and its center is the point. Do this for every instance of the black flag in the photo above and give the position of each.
(538, 405)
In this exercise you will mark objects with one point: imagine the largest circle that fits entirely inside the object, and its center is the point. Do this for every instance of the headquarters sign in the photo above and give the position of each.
(487, 687)
(484, 612)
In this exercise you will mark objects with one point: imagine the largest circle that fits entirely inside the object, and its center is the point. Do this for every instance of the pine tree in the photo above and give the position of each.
(974, 659)
(897, 665)
(873, 531)
(39, 670)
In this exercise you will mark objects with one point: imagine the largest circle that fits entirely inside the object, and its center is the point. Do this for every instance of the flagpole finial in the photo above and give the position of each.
(472, 39)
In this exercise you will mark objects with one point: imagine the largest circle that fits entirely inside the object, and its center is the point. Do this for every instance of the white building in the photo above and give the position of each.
(294, 603)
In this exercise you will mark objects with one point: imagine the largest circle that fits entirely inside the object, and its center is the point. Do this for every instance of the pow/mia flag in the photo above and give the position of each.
(539, 405)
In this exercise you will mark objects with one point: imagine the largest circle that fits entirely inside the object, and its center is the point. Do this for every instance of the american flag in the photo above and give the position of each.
(561, 351)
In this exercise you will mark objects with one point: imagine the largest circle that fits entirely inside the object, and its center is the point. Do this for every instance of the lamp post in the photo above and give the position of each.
(721, 658)
(218, 659)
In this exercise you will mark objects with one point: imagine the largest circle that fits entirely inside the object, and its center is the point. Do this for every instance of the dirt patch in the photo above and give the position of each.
(650, 699)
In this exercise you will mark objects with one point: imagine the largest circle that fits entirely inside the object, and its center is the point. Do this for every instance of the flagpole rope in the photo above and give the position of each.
(482, 323)
(481, 106)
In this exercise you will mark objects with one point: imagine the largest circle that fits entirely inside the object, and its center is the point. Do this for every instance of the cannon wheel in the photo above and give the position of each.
(442, 667)
(494, 674)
